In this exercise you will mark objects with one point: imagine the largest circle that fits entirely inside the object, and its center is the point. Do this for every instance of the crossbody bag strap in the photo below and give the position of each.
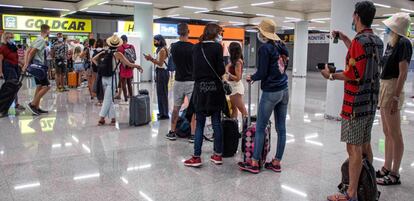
(211, 67)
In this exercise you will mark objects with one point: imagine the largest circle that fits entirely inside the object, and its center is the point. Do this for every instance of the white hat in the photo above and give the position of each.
(114, 41)
(398, 23)
(268, 28)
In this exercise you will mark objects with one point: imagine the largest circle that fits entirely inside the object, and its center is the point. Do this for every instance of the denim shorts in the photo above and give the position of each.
(78, 67)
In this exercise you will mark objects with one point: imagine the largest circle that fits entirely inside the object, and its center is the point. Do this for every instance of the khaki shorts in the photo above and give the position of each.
(387, 92)
(181, 90)
(357, 131)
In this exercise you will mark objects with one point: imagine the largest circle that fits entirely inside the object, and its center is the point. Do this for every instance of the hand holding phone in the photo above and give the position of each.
(331, 66)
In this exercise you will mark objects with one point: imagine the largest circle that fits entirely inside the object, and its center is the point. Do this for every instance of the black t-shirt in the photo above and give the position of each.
(403, 51)
(182, 56)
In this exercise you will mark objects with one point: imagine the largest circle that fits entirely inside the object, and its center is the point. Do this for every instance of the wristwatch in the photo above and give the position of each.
(331, 77)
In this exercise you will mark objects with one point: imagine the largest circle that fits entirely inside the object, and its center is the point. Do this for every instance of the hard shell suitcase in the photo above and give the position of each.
(248, 137)
(231, 136)
(139, 108)
(72, 79)
(8, 92)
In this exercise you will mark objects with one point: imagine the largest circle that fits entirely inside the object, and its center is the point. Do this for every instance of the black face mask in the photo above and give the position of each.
(12, 47)
(156, 44)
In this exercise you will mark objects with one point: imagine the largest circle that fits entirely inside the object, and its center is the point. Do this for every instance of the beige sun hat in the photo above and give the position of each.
(267, 27)
(398, 23)
(114, 41)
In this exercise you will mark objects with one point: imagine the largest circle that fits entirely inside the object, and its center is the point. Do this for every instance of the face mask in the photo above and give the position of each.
(261, 38)
(219, 38)
(60, 39)
(387, 30)
(156, 44)
(353, 26)
(11, 41)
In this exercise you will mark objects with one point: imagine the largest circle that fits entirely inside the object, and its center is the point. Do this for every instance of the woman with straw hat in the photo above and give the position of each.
(275, 97)
(108, 80)
(395, 64)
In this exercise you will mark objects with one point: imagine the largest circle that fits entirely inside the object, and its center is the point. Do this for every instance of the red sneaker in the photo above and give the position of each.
(216, 159)
(193, 162)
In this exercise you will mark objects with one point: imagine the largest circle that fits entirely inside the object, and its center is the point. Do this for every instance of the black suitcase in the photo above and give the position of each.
(139, 110)
(8, 93)
(231, 136)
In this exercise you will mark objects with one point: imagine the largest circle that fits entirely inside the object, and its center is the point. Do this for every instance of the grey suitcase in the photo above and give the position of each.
(139, 110)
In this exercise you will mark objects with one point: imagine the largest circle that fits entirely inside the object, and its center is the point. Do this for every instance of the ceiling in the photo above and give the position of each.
(227, 12)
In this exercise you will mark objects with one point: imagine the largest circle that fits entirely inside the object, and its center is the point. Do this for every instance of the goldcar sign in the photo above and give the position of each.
(57, 24)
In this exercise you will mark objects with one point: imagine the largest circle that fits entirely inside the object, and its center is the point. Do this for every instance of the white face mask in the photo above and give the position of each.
(261, 38)
(219, 38)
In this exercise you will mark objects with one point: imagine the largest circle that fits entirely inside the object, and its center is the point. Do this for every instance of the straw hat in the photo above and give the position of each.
(267, 27)
(398, 23)
(114, 41)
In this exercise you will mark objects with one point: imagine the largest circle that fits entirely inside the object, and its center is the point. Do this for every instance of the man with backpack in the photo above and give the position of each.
(361, 79)
(108, 62)
(126, 72)
(181, 53)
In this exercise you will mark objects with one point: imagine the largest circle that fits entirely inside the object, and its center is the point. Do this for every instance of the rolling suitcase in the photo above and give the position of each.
(72, 79)
(8, 92)
(248, 137)
(231, 136)
(139, 108)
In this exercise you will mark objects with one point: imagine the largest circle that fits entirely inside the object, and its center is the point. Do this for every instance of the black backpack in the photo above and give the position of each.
(107, 64)
(367, 187)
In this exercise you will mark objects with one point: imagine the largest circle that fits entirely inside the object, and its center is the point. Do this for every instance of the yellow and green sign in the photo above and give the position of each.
(57, 24)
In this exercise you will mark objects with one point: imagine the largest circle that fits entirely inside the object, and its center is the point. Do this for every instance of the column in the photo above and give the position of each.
(341, 19)
(300, 50)
(143, 25)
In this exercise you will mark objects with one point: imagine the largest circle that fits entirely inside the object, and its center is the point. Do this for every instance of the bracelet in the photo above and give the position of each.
(331, 77)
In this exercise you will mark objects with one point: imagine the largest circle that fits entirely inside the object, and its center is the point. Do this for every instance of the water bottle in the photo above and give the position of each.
(12, 109)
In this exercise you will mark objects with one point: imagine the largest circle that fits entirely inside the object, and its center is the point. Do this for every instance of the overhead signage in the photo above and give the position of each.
(33, 23)
(163, 29)
(318, 38)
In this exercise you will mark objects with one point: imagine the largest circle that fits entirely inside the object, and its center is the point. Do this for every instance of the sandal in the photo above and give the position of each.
(101, 122)
(341, 197)
(113, 122)
(389, 180)
(382, 173)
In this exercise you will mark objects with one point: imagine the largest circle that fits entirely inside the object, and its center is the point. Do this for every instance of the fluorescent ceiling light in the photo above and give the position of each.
(251, 30)
(318, 21)
(292, 18)
(375, 25)
(175, 15)
(290, 21)
(211, 20)
(10, 6)
(88, 176)
(56, 9)
(297, 192)
(324, 30)
(102, 3)
(380, 29)
(138, 2)
(407, 10)
(231, 11)
(382, 5)
(231, 7)
(83, 9)
(261, 4)
(235, 22)
(100, 12)
(202, 11)
(265, 15)
(321, 19)
(182, 18)
(388, 15)
(27, 186)
(196, 8)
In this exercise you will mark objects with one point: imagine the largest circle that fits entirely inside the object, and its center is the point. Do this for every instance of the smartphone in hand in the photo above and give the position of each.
(331, 67)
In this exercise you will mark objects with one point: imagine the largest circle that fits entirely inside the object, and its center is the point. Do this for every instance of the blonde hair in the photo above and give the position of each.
(4, 37)
(394, 38)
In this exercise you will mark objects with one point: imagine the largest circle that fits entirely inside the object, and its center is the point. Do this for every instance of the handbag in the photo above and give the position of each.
(226, 86)
(37, 70)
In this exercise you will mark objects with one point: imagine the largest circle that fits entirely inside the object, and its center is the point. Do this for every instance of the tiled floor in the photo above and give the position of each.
(65, 156)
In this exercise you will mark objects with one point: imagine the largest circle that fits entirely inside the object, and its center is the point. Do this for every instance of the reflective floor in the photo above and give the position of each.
(65, 156)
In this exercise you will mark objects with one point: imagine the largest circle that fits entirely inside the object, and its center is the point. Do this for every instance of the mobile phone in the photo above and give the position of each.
(336, 39)
(331, 67)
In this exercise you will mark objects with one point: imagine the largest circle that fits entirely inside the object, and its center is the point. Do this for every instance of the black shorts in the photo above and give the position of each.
(44, 83)
(60, 66)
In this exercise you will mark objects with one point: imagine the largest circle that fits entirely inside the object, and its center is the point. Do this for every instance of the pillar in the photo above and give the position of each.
(143, 25)
(300, 51)
(341, 19)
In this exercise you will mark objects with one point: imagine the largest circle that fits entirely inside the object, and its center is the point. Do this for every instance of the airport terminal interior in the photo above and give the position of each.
(65, 156)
